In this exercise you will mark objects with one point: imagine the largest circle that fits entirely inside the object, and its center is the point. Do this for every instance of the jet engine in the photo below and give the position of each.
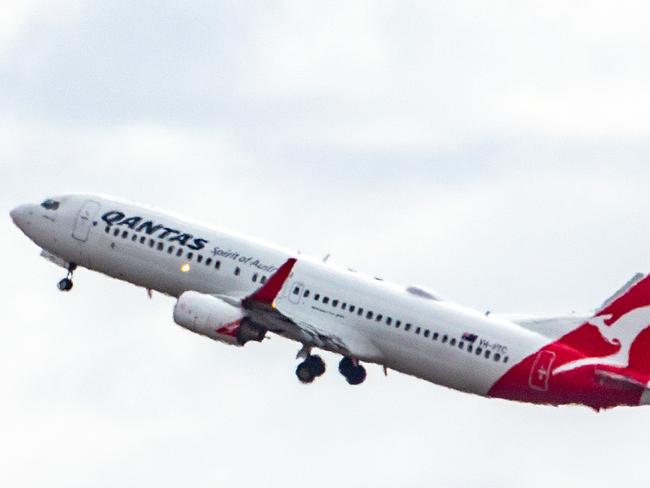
(215, 318)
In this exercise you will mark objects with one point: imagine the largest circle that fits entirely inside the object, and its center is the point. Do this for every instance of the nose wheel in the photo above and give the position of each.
(310, 369)
(66, 283)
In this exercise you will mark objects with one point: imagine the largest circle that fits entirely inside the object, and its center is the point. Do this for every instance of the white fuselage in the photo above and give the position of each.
(408, 331)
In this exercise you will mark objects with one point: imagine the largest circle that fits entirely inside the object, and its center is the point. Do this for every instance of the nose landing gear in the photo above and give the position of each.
(66, 283)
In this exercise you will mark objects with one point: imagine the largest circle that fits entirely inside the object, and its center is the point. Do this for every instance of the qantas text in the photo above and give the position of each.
(139, 224)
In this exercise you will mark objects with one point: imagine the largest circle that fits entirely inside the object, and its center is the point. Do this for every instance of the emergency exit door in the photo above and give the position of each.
(84, 221)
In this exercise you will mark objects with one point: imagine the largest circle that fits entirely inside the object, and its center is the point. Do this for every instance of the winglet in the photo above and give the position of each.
(269, 292)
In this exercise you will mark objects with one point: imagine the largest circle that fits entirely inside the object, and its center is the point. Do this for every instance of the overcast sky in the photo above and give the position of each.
(498, 152)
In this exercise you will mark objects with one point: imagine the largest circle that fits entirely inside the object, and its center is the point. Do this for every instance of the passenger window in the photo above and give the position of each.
(179, 253)
(108, 229)
(208, 261)
(335, 303)
(306, 294)
(389, 321)
(152, 243)
(506, 359)
(379, 317)
(398, 323)
(497, 357)
(142, 239)
(116, 232)
(190, 255)
(254, 278)
(360, 312)
(487, 354)
(296, 290)
(326, 300)
(352, 308)
(445, 338)
(125, 234)
(369, 315)
(161, 246)
(134, 238)
(317, 296)
(452, 341)
(170, 250)
(237, 271)
(470, 348)
(217, 265)
(479, 351)
(344, 306)
(461, 345)
(417, 330)
(426, 332)
(263, 280)
(435, 336)
(407, 327)
(199, 258)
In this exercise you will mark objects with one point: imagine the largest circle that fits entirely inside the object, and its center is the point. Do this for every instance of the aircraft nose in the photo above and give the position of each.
(21, 215)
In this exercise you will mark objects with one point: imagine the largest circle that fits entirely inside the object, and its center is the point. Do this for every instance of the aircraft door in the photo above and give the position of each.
(541, 371)
(84, 221)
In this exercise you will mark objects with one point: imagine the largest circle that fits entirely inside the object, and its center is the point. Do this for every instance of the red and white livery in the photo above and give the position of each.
(234, 289)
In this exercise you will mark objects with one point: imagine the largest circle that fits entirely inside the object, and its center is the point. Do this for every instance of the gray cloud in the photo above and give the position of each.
(496, 153)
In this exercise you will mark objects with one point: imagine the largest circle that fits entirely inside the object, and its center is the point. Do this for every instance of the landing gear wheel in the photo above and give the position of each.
(316, 365)
(355, 374)
(310, 369)
(304, 374)
(345, 366)
(65, 284)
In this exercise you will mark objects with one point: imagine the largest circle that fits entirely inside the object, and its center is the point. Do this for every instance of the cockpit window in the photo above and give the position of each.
(50, 204)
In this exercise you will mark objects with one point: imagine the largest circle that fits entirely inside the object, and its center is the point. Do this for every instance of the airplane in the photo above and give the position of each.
(234, 289)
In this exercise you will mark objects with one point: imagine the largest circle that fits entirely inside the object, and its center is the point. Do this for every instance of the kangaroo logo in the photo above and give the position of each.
(621, 333)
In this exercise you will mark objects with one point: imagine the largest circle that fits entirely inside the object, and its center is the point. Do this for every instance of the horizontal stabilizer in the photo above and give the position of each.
(620, 378)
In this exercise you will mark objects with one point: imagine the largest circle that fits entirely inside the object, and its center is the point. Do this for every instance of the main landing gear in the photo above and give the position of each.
(310, 369)
(313, 366)
(354, 373)
(66, 283)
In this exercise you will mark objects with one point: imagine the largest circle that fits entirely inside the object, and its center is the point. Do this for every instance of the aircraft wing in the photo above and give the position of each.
(314, 331)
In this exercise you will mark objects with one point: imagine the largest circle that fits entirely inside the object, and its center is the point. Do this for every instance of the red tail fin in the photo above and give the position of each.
(620, 330)
(634, 295)
(603, 363)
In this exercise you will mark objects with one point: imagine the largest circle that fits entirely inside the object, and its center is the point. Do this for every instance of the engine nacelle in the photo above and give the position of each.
(209, 316)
